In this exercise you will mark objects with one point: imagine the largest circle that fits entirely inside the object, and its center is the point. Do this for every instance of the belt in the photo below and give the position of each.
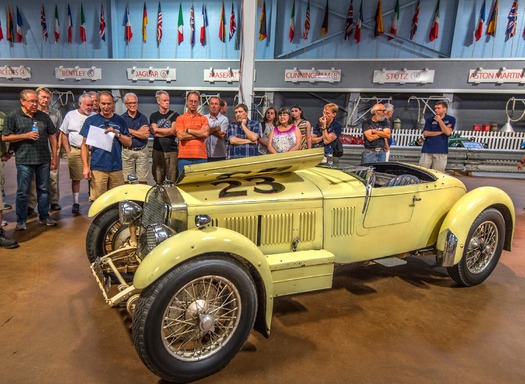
(136, 148)
(375, 149)
(74, 146)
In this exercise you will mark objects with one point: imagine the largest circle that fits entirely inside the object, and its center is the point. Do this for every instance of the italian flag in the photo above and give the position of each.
(395, 19)
(180, 26)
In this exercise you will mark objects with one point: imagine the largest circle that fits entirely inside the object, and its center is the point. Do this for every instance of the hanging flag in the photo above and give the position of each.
(324, 26)
(10, 35)
(491, 27)
(307, 22)
(19, 25)
(479, 29)
(233, 23)
(511, 25)
(128, 33)
(57, 25)
(82, 30)
(434, 30)
(159, 25)
(262, 23)
(69, 26)
(395, 19)
(43, 23)
(357, 35)
(415, 20)
(1, 32)
(379, 28)
(204, 24)
(180, 26)
(349, 27)
(222, 25)
(102, 31)
(291, 32)
(192, 26)
(145, 22)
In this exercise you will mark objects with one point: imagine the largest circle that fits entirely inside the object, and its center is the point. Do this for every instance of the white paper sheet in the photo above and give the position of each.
(97, 138)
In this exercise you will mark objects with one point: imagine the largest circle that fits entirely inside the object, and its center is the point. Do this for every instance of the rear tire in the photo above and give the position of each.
(483, 249)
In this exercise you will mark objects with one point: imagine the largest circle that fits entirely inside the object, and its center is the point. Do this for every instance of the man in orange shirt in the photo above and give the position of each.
(192, 130)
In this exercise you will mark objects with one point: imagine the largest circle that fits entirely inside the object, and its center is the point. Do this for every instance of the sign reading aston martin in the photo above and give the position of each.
(402, 76)
(229, 75)
(151, 74)
(77, 73)
(20, 72)
(497, 76)
(312, 75)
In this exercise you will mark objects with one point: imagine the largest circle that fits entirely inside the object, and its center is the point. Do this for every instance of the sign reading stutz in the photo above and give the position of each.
(9, 72)
(151, 74)
(77, 73)
(402, 76)
(312, 75)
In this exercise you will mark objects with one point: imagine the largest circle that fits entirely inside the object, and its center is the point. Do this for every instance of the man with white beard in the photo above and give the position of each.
(375, 131)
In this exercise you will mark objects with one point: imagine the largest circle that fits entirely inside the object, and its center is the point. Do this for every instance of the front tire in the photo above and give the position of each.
(483, 249)
(106, 234)
(192, 321)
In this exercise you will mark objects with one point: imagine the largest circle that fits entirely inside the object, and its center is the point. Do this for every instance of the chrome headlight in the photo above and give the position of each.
(153, 236)
(129, 212)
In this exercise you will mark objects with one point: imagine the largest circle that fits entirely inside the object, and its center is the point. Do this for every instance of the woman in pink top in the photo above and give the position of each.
(285, 137)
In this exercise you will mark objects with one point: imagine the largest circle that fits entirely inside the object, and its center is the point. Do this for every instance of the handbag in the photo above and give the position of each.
(337, 148)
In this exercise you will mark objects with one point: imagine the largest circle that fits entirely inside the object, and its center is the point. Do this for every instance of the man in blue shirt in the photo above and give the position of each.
(327, 130)
(436, 131)
(105, 168)
(243, 134)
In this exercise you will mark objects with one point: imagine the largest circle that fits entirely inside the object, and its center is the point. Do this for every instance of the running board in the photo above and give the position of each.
(390, 261)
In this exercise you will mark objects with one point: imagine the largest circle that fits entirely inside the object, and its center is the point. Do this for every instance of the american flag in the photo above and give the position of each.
(513, 20)
(192, 26)
(415, 20)
(349, 27)
(307, 22)
(102, 24)
(159, 25)
(233, 24)
(43, 23)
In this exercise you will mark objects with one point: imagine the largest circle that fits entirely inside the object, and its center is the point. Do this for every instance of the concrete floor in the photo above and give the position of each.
(377, 325)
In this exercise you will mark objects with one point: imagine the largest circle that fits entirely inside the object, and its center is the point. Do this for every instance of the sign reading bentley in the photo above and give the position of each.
(497, 76)
(312, 75)
(402, 76)
(151, 74)
(77, 73)
(230, 75)
(9, 72)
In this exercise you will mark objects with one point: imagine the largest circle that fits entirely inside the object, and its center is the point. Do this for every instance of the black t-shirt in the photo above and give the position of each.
(164, 120)
(378, 126)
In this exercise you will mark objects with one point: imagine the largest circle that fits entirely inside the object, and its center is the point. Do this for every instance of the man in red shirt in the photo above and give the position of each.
(192, 130)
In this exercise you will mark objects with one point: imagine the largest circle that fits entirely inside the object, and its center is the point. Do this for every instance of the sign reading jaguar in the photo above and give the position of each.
(199, 263)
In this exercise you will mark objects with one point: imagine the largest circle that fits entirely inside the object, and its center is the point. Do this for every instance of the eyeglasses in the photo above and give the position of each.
(31, 101)
(131, 103)
(380, 110)
(193, 101)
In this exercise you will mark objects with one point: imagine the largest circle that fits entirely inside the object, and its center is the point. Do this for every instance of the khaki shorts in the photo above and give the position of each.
(437, 161)
(102, 181)
(74, 162)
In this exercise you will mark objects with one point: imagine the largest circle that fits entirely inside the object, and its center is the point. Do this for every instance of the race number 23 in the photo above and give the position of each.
(263, 184)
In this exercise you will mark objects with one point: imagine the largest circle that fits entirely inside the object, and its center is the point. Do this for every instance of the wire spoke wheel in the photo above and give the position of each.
(482, 247)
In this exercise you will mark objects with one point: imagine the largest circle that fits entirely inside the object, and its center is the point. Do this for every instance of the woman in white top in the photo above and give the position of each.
(285, 137)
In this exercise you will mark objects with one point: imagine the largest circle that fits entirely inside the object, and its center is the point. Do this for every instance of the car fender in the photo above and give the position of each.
(135, 192)
(463, 213)
(197, 242)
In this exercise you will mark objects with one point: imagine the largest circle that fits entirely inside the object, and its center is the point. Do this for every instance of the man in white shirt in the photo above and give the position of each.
(72, 141)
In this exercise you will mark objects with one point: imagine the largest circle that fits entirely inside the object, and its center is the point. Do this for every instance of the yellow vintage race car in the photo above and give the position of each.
(199, 263)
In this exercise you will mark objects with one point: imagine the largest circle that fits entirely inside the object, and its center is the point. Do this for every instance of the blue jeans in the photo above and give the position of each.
(24, 174)
(368, 156)
(182, 162)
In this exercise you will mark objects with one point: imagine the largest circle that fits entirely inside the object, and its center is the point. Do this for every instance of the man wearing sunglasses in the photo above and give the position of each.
(375, 131)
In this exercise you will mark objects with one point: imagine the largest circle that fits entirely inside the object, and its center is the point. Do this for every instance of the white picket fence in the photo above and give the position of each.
(494, 140)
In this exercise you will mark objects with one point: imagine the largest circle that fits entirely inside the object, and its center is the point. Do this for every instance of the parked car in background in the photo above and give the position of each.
(199, 263)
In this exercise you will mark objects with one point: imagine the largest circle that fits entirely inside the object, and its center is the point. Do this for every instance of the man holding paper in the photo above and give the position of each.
(106, 133)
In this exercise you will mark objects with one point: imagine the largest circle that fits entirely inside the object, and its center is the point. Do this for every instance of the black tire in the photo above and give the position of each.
(192, 321)
(105, 234)
(482, 249)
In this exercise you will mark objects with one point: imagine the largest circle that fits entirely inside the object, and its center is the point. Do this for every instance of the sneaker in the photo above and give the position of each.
(7, 206)
(30, 211)
(4, 223)
(20, 227)
(48, 222)
(6, 242)
(76, 209)
(55, 207)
